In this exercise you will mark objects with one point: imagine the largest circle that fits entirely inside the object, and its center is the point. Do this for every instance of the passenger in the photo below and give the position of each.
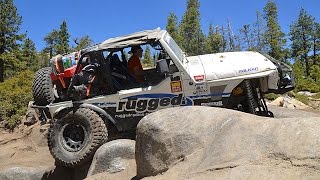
(134, 64)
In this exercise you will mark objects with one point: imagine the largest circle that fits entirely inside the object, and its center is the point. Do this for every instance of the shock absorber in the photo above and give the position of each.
(250, 97)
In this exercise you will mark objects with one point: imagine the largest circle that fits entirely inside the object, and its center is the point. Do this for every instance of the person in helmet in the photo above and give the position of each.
(134, 64)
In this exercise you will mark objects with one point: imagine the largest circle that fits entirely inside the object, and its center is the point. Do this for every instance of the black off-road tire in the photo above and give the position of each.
(82, 125)
(42, 87)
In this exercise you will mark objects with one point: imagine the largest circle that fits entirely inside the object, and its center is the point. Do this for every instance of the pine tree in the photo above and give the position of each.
(51, 40)
(29, 52)
(214, 40)
(63, 41)
(83, 42)
(14, 62)
(274, 37)
(316, 42)
(173, 29)
(193, 39)
(10, 22)
(301, 37)
(147, 60)
(315, 73)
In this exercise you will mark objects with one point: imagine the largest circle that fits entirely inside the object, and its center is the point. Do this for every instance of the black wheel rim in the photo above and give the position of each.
(73, 136)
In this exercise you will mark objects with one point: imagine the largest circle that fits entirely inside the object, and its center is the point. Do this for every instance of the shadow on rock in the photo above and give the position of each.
(61, 172)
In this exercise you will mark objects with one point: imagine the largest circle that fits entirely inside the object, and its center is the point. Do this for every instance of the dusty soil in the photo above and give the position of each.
(25, 147)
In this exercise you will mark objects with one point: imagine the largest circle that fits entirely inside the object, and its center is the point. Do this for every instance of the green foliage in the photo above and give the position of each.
(10, 26)
(301, 35)
(193, 39)
(214, 41)
(63, 40)
(316, 42)
(13, 64)
(83, 42)
(28, 55)
(51, 40)
(173, 29)
(271, 96)
(315, 73)
(57, 41)
(147, 60)
(317, 96)
(10, 22)
(15, 93)
(304, 83)
(273, 35)
(302, 98)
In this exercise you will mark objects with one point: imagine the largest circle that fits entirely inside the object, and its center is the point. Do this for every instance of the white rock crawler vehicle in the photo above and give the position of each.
(96, 99)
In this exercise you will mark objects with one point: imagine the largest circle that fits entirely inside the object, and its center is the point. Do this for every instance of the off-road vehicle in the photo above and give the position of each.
(97, 98)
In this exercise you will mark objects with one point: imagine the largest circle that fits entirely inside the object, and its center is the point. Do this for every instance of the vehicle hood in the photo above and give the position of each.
(227, 65)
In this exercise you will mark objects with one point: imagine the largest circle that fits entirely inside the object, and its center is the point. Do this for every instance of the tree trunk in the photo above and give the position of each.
(1, 70)
(307, 65)
(314, 51)
(1, 65)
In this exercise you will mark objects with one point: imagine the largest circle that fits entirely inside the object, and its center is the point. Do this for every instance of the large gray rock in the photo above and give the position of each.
(22, 173)
(281, 112)
(197, 140)
(113, 157)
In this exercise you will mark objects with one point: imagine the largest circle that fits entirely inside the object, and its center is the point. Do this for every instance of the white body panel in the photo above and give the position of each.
(232, 64)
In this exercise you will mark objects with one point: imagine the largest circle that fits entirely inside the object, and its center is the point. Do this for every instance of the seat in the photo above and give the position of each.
(120, 73)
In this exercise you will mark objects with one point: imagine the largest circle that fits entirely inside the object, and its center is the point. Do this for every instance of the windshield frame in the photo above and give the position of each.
(174, 47)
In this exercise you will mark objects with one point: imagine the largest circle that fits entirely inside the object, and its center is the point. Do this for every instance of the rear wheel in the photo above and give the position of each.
(42, 88)
(74, 138)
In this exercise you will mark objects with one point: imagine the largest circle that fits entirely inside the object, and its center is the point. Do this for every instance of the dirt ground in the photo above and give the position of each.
(25, 147)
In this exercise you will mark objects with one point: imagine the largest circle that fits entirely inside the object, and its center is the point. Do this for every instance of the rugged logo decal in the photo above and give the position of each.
(151, 102)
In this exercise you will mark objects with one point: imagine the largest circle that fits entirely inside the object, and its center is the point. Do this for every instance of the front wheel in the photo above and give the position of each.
(74, 138)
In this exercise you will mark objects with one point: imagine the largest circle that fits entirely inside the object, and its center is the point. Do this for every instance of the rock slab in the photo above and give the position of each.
(113, 157)
(22, 173)
(216, 140)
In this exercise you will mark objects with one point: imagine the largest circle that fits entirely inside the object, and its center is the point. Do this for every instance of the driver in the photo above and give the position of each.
(134, 64)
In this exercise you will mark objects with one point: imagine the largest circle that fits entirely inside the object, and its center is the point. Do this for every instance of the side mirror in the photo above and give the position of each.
(163, 66)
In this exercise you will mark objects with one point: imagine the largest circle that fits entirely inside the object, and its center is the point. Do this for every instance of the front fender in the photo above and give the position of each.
(57, 111)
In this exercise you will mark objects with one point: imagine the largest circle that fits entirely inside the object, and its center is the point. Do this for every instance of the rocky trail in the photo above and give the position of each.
(284, 147)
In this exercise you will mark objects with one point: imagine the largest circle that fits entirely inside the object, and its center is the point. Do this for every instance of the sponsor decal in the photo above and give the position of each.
(122, 116)
(214, 103)
(248, 70)
(200, 89)
(106, 104)
(199, 77)
(176, 86)
(152, 102)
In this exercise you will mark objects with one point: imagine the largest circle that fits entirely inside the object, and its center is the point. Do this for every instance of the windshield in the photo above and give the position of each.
(174, 46)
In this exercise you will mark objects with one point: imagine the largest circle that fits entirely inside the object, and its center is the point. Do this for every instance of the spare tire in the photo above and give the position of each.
(74, 138)
(42, 87)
